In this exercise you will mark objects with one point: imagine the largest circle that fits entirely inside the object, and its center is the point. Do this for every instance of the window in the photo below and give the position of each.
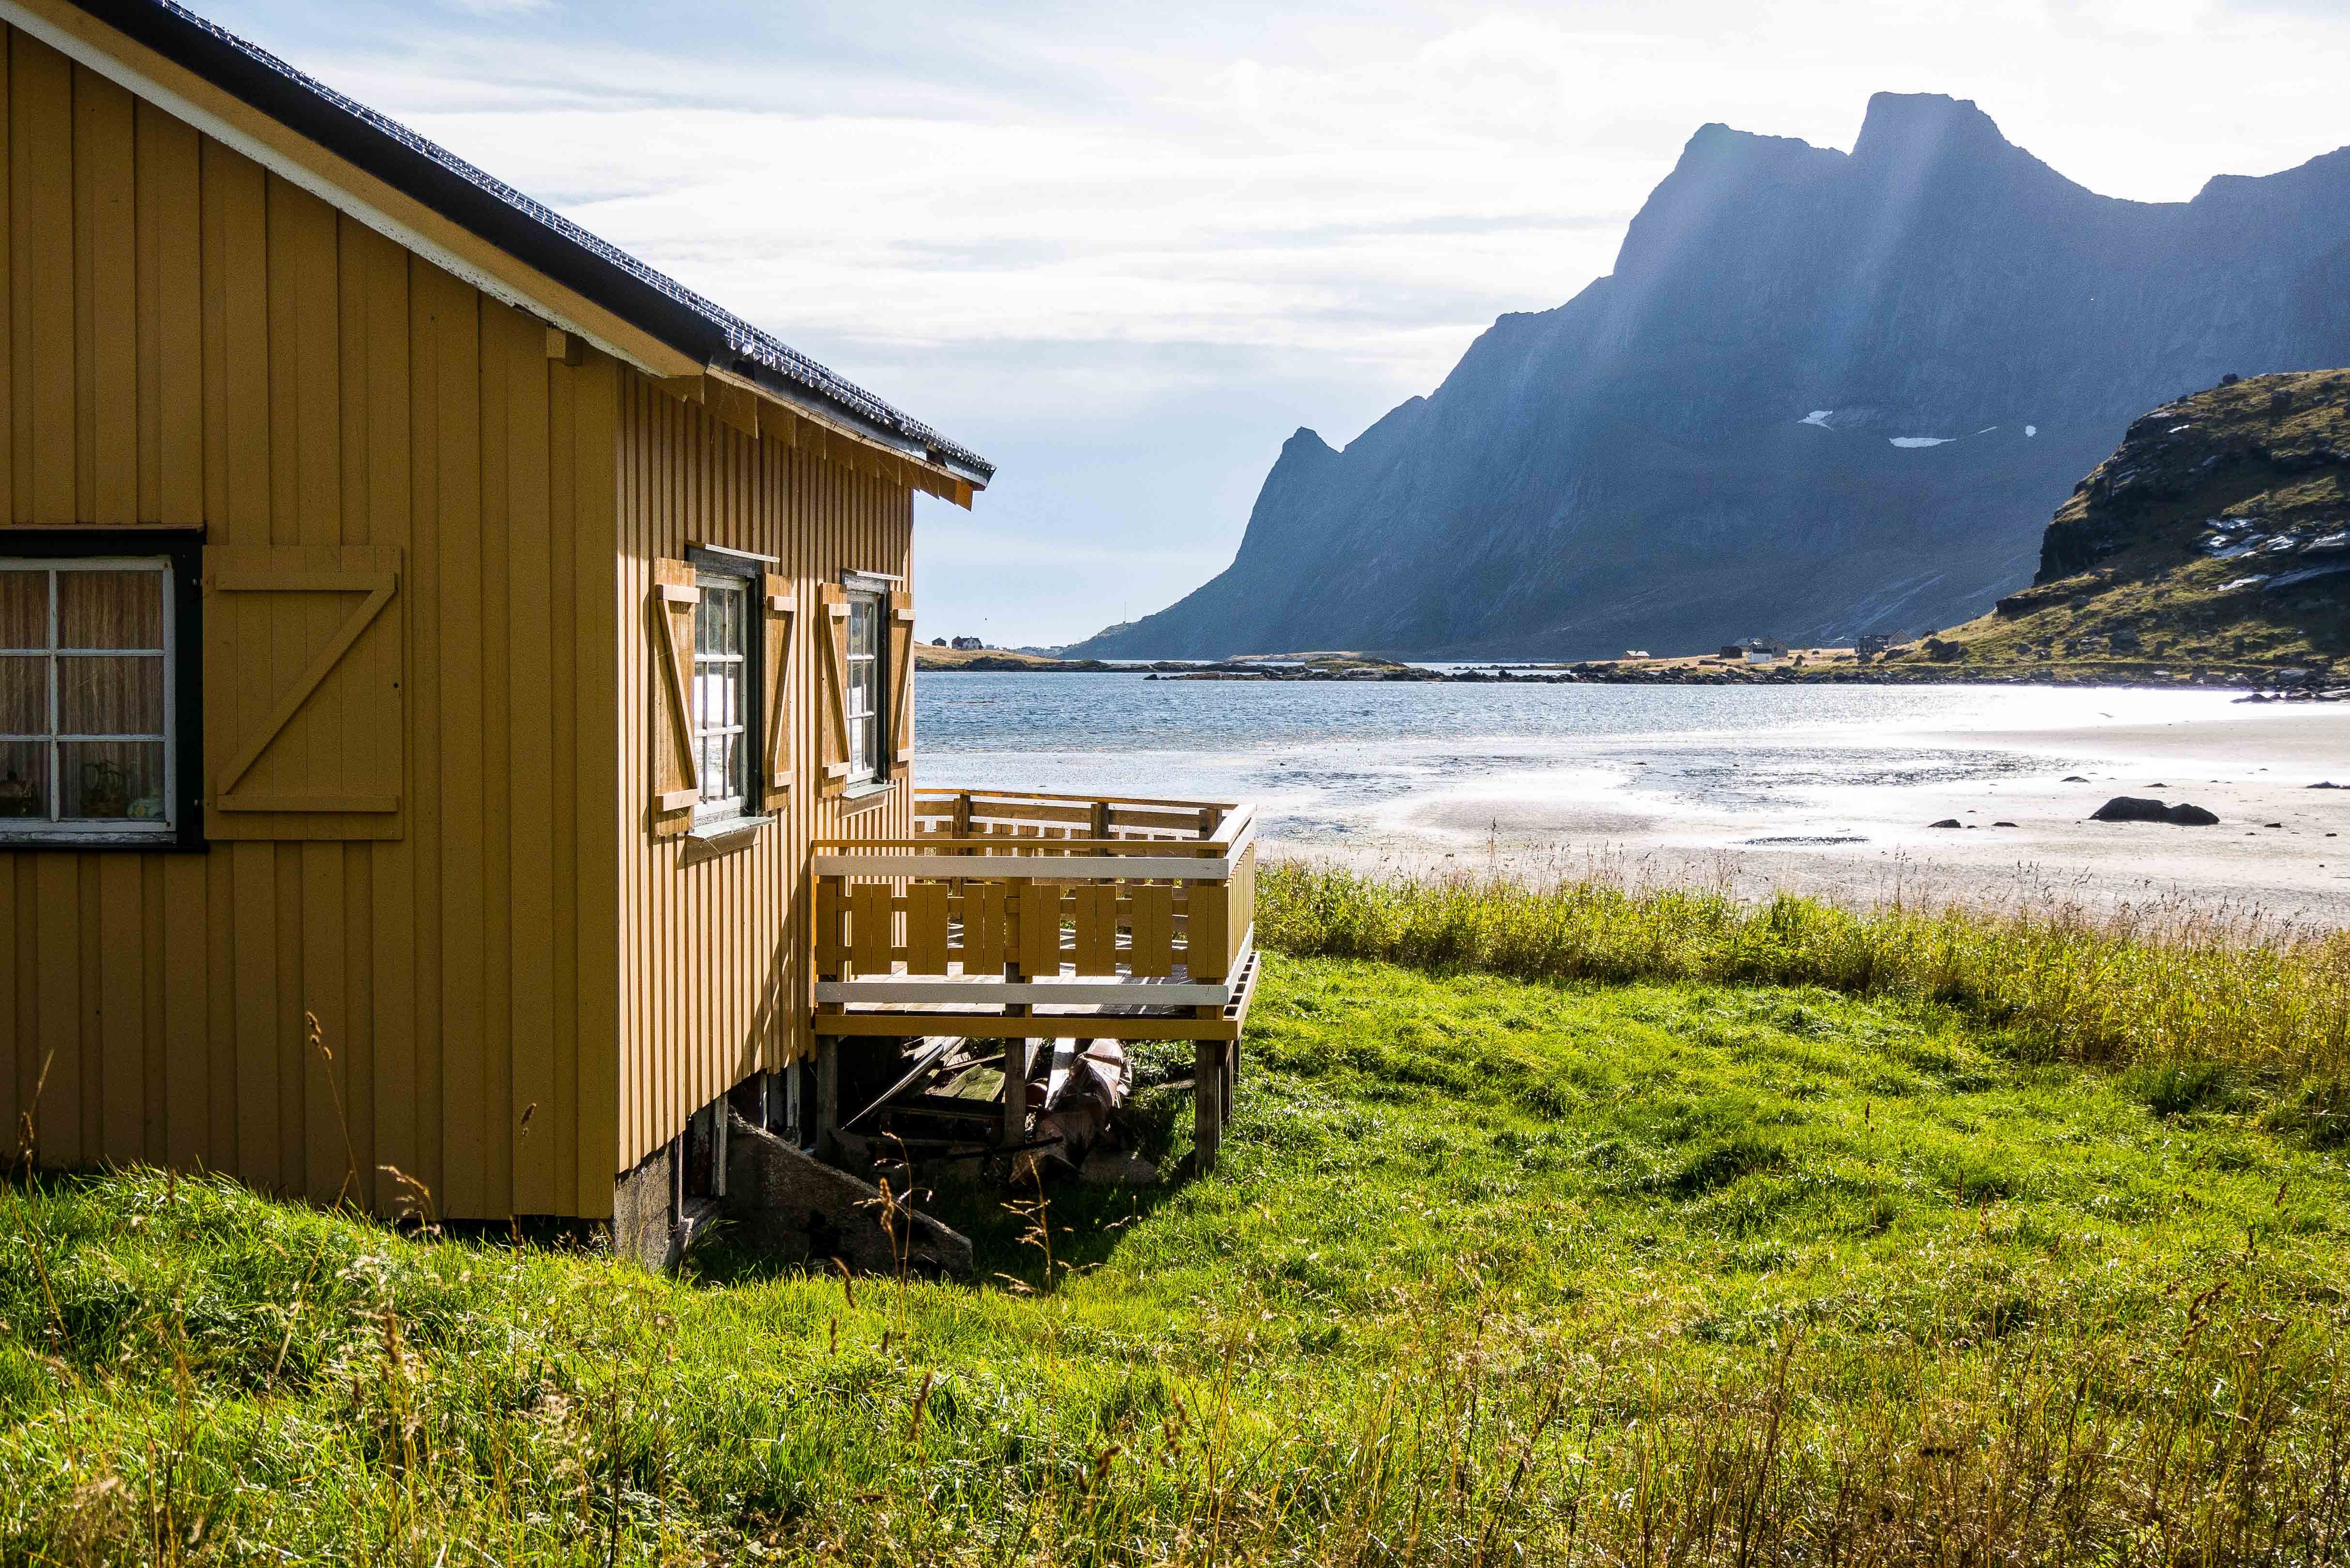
(724, 701)
(90, 693)
(863, 688)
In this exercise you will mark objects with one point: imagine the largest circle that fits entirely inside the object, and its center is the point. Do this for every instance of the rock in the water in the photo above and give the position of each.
(2003, 825)
(2131, 808)
(2329, 783)
(2186, 815)
(1947, 822)
(2075, 778)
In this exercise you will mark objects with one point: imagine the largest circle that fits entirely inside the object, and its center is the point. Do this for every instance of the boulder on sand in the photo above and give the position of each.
(2138, 808)
(1947, 822)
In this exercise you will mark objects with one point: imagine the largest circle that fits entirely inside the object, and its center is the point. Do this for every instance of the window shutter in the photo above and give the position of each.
(677, 773)
(832, 641)
(305, 716)
(902, 666)
(782, 610)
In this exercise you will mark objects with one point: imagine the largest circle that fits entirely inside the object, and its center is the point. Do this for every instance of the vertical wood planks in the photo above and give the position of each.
(42, 362)
(1037, 913)
(532, 803)
(105, 368)
(984, 930)
(1093, 910)
(1151, 942)
(869, 928)
(926, 927)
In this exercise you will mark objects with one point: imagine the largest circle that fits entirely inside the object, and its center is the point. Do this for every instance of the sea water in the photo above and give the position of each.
(1333, 761)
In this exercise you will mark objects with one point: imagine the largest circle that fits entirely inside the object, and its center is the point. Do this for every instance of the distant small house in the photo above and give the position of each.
(1763, 650)
(1635, 653)
(938, 642)
(968, 643)
(1873, 645)
(1731, 650)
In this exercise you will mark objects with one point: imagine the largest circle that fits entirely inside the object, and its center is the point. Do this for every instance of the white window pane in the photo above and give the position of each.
(24, 695)
(99, 696)
(23, 609)
(113, 780)
(110, 609)
(23, 780)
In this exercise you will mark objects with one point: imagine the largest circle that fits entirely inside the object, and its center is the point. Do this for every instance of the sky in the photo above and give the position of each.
(1124, 250)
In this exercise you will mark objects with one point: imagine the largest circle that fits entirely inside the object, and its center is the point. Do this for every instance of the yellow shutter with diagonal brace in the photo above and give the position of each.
(902, 666)
(677, 774)
(305, 717)
(832, 643)
(782, 610)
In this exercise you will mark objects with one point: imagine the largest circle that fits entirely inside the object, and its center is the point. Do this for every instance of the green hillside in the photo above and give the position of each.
(1716, 1235)
(2215, 539)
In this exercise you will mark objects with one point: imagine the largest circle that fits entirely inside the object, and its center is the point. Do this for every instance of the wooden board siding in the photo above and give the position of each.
(715, 934)
(192, 341)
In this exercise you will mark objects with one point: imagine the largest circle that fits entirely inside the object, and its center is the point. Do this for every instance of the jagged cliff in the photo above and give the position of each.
(1822, 393)
(2216, 537)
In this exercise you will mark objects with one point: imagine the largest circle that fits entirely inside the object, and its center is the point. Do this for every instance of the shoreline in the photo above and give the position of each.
(2027, 842)
(2300, 682)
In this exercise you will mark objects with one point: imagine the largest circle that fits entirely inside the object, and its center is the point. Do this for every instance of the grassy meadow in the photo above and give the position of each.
(1581, 1227)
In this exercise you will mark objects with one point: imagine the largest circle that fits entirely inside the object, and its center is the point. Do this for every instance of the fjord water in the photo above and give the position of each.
(1338, 761)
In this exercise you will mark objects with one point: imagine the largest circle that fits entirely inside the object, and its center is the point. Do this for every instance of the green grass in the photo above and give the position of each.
(1722, 1257)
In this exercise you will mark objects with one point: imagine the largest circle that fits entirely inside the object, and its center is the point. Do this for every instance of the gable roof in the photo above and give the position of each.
(527, 230)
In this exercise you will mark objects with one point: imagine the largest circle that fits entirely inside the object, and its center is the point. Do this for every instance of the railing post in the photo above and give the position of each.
(823, 1120)
(1100, 822)
(1014, 1131)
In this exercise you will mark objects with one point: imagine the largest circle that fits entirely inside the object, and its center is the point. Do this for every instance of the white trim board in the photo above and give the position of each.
(1033, 867)
(903, 989)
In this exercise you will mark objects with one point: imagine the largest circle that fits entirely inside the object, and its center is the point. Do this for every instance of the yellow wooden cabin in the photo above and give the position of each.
(456, 683)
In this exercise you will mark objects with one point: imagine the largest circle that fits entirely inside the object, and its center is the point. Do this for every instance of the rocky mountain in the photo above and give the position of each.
(2216, 538)
(1822, 393)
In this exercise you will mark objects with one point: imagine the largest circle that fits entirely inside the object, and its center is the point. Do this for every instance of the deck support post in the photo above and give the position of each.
(827, 1120)
(1207, 1103)
(1015, 1091)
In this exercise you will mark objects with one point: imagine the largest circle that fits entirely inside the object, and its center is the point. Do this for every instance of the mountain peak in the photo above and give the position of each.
(1907, 127)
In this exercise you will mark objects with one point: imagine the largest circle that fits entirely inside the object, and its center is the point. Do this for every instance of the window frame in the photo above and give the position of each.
(872, 772)
(879, 590)
(180, 552)
(737, 571)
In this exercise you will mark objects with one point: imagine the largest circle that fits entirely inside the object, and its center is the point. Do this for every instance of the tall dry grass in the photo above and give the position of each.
(2162, 985)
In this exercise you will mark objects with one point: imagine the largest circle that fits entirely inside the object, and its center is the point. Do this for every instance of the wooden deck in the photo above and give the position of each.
(1026, 916)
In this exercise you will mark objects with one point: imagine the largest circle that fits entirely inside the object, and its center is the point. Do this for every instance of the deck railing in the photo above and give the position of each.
(1023, 916)
(1063, 901)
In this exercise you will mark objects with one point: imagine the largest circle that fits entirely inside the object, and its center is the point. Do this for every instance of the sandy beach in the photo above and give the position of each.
(2280, 852)
(1827, 790)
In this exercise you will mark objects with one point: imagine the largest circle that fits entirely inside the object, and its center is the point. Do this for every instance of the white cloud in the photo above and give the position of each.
(1127, 249)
